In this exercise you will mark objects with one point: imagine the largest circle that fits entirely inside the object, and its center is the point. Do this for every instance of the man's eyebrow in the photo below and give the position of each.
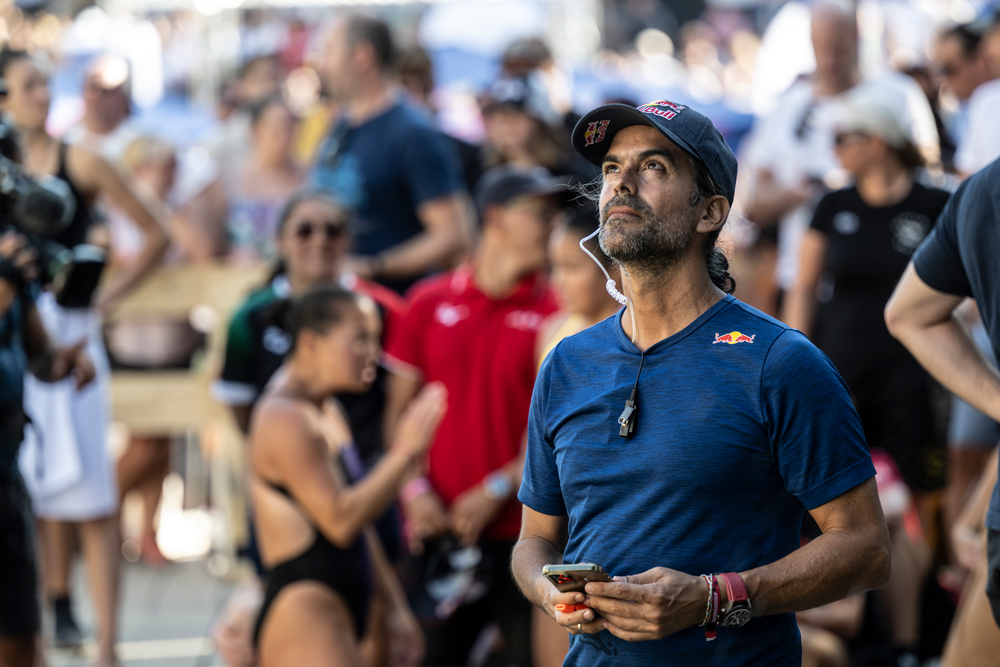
(646, 154)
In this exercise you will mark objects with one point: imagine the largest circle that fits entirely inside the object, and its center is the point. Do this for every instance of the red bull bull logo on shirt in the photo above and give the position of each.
(732, 338)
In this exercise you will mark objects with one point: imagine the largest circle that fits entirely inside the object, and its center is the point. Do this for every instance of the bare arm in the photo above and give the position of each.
(852, 555)
(49, 364)
(447, 236)
(198, 228)
(800, 307)
(295, 452)
(399, 391)
(542, 541)
(97, 176)
(921, 318)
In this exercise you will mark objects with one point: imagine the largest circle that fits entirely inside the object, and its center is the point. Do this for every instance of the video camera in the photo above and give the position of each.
(39, 209)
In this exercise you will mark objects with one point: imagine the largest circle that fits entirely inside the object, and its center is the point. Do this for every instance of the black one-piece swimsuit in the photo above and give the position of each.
(346, 571)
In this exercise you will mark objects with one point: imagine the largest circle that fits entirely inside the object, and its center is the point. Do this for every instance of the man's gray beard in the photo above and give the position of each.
(656, 245)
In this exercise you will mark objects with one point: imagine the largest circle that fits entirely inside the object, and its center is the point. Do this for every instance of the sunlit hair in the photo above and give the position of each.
(319, 310)
(145, 150)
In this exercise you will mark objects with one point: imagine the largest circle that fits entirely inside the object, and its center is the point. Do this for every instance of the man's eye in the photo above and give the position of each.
(654, 165)
(610, 168)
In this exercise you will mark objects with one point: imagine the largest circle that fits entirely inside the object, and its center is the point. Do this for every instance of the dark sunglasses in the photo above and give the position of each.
(333, 230)
(845, 138)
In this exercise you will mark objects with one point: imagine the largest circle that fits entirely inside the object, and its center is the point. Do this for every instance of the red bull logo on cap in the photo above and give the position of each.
(595, 132)
(662, 108)
(733, 337)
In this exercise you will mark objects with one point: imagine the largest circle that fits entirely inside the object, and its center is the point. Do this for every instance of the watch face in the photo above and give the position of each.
(736, 618)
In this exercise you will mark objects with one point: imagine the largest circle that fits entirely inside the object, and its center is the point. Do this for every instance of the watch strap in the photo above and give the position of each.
(737, 590)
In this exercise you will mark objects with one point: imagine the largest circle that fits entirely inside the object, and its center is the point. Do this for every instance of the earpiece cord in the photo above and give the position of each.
(610, 285)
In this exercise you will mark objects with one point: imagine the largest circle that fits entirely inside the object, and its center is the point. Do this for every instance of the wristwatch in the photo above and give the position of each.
(738, 610)
(497, 486)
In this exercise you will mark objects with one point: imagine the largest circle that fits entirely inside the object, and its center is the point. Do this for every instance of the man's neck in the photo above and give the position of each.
(370, 99)
(497, 272)
(828, 88)
(666, 301)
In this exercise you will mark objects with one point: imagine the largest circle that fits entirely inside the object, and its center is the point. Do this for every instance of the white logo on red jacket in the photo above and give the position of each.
(450, 315)
(525, 320)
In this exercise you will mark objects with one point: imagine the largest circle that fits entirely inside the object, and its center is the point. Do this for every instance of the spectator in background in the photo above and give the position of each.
(259, 188)
(152, 342)
(792, 147)
(960, 55)
(523, 129)
(416, 74)
(476, 330)
(24, 346)
(857, 247)
(385, 161)
(86, 499)
(958, 260)
(107, 108)
(578, 283)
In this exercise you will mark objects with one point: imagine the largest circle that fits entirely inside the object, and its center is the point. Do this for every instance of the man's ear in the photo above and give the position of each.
(714, 214)
(492, 217)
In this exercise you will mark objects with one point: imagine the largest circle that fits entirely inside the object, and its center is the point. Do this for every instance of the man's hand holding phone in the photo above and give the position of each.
(561, 589)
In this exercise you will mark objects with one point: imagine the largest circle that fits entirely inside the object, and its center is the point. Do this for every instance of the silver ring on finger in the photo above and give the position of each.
(579, 628)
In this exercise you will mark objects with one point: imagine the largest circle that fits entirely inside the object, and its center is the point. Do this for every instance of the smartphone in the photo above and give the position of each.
(573, 577)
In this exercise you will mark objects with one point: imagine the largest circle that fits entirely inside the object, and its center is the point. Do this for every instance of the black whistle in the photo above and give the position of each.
(627, 419)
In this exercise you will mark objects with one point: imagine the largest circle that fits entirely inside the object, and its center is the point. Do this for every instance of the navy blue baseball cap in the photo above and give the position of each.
(693, 132)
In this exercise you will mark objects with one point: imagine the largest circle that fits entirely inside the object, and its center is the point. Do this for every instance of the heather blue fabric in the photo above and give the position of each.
(732, 440)
(961, 256)
(384, 169)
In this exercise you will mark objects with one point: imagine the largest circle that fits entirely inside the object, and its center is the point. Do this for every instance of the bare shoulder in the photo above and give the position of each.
(86, 167)
(281, 424)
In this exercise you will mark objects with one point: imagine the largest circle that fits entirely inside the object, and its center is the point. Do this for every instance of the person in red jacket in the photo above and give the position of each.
(475, 330)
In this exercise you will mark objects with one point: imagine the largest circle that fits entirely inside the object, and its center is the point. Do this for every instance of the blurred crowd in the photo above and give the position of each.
(439, 185)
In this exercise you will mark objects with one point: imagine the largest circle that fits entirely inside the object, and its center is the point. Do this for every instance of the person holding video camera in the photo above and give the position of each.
(72, 480)
(24, 346)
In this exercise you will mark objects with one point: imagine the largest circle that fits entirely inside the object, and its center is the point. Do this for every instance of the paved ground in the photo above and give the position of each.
(165, 616)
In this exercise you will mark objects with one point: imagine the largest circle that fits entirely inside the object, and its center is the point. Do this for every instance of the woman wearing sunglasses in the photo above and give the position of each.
(859, 243)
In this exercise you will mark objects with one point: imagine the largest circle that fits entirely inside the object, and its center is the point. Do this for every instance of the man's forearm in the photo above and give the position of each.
(530, 555)
(950, 355)
(831, 567)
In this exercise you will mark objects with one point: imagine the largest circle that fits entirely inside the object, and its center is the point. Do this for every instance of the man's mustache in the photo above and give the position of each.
(634, 202)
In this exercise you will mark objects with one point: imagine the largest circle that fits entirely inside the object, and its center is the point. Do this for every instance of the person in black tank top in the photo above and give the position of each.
(313, 516)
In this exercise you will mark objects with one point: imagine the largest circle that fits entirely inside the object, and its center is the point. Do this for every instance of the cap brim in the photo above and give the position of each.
(593, 133)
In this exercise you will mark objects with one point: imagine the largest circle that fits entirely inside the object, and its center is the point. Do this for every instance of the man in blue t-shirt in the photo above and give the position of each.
(685, 435)
(385, 161)
(960, 258)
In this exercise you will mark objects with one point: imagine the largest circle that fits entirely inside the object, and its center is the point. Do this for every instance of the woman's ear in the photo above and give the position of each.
(715, 214)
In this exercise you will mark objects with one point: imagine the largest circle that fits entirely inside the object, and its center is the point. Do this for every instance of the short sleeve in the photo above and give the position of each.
(430, 165)
(540, 489)
(937, 260)
(816, 436)
(822, 220)
(235, 384)
(405, 349)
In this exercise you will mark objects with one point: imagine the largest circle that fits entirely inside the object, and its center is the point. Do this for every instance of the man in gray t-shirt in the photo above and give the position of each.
(959, 259)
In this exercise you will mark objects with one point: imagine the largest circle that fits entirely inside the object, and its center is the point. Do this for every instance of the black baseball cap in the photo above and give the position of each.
(500, 185)
(693, 132)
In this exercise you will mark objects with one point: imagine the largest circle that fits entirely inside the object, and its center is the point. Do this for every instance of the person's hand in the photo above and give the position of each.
(578, 621)
(420, 420)
(19, 257)
(471, 513)
(969, 546)
(74, 360)
(406, 638)
(650, 605)
(426, 517)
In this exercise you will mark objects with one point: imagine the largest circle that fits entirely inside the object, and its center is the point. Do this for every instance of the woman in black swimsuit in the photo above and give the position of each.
(313, 519)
